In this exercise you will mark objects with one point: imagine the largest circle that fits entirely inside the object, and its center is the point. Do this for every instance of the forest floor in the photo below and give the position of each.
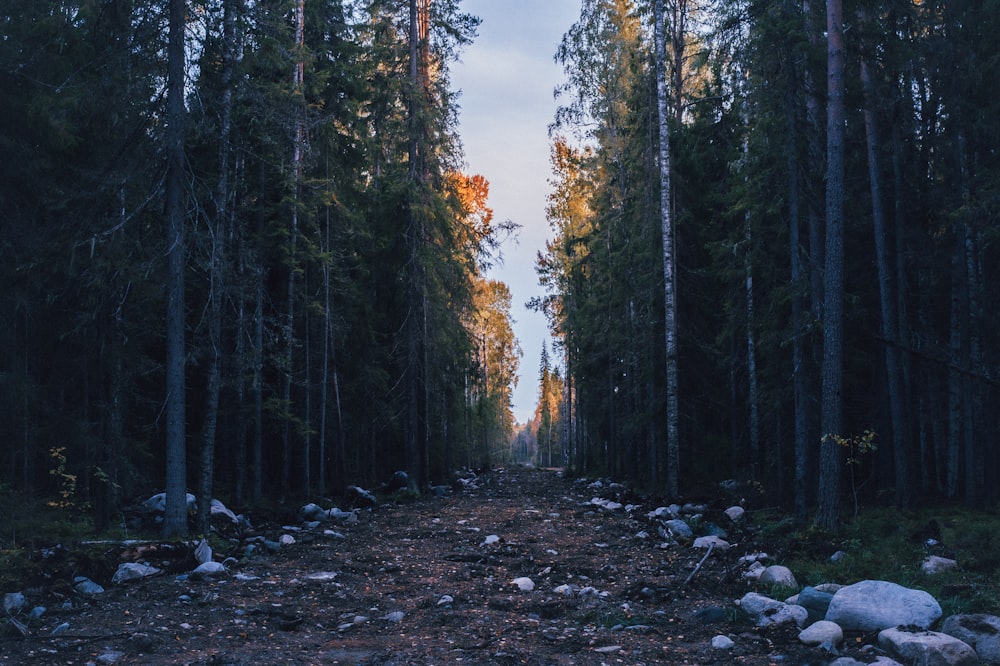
(418, 582)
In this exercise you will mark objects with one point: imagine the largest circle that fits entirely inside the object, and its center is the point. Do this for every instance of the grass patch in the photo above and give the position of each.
(884, 544)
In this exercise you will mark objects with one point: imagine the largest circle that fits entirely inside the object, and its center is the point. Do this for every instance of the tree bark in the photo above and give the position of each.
(667, 237)
(298, 75)
(887, 296)
(828, 508)
(217, 273)
(175, 520)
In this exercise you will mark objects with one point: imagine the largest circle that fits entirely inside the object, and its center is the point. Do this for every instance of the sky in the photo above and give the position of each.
(507, 78)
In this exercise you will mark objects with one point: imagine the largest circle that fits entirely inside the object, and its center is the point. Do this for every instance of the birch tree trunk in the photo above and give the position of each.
(298, 76)
(667, 235)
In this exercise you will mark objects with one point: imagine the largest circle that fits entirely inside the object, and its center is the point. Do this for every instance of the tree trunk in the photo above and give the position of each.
(667, 236)
(828, 509)
(217, 273)
(175, 520)
(298, 75)
(799, 380)
(887, 296)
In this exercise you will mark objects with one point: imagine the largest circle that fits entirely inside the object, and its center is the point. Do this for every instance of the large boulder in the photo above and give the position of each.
(927, 648)
(980, 632)
(872, 605)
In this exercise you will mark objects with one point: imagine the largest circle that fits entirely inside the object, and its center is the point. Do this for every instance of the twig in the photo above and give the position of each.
(691, 575)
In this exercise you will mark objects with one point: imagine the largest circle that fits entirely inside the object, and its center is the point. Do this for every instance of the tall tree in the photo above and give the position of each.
(828, 510)
(175, 521)
(664, 116)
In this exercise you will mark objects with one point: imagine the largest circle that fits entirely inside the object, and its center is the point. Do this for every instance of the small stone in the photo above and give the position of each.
(524, 584)
(133, 571)
(110, 657)
(86, 587)
(64, 627)
(713, 542)
(934, 565)
(735, 513)
(490, 540)
(722, 643)
(320, 576)
(203, 553)
(445, 600)
(14, 602)
(608, 649)
(286, 540)
(208, 570)
(778, 575)
(822, 632)
(395, 616)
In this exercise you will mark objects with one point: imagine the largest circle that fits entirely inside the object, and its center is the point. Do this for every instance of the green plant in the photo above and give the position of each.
(67, 481)
(857, 447)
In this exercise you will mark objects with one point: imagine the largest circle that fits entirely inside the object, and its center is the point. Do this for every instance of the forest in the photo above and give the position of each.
(819, 183)
(243, 258)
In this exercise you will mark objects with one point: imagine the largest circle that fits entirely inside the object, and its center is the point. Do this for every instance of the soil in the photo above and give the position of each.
(415, 582)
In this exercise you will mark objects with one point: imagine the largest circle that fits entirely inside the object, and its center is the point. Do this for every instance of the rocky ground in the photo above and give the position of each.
(421, 582)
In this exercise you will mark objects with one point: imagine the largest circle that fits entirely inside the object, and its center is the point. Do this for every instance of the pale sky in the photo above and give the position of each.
(507, 77)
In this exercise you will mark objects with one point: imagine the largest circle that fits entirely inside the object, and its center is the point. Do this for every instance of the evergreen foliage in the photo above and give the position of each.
(299, 275)
(750, 215)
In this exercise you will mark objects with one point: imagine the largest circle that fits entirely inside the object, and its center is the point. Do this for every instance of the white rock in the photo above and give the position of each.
(754, 557)
(671, 511)
(678, 529)
(735, 513)
(209, 569)
(778, 575)
(445, 600)
(872, 605)
(722, 642)
(711, 542)
(755, 571)
(14, 602)
(490, 540)
(564, 589)
(217, 508)
(321, 576)
(395, 616)
(203, 552)
(764, 611)
(313, 512)
(286, 540)
(86, 587)
(524, 584)
(158, 502)
(980, 632)
(133, 571)
(822, 632)
(930, 648)
(343, 516)
(935, 565)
